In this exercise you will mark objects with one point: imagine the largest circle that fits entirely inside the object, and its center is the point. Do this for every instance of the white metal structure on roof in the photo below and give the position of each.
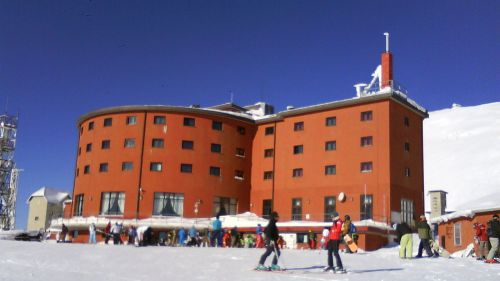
(8, 173)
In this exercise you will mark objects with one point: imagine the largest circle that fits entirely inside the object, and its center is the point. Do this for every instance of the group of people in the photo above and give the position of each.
(405, 238)
(486, 238)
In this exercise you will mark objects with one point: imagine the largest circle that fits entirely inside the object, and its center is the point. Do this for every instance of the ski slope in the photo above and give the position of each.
(30, 261)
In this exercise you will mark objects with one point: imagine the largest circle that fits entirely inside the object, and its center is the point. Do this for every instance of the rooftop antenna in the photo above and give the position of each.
(386, 42)
(232, 96)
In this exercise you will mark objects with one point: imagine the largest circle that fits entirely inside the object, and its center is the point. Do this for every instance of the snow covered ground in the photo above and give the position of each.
(26, 261)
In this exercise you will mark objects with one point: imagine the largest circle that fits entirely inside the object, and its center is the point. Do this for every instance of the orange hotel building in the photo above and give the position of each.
(361, 156)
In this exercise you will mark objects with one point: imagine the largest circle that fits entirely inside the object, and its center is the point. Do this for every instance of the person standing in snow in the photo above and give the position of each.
(259, 241)
(481, 238)
(272, 235)
(312, 239)
(405, 240)
(192, 236)
(235, 237)
(333, 244)
(424, 233)
(107, 232)
(182, 237)
(92, 230)
(216, 232)
(115, 231)
(348, 228)
(494, 235)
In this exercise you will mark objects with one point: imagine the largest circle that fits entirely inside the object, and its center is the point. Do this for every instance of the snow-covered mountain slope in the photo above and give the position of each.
(462, 153)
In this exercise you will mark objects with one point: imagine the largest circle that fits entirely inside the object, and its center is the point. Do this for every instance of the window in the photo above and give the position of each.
(297, 209)
(190, 122)
(330, 170)
(268, 152)
(330, 121)
(129, 143)
(330, 207)
(186, 168)
(407, 147)
(224, 206)
(108, 122)
(217, 125)
(330, 145)
(407, 172)
(297, 172)
(155, 167)
(298, 126)
(241, 130)
(240, 152)
(36, 218)
(103, 167)
(214, 171)
(239, 175)
(366, 167)
(269, 131)
(88, 148)
(407, 211)
(105, 144)
(159, 120)
(78, 210)
(158, 143)
(457, 233)
(131, 120)
(112, 203)
(366, 116)
(298, 149)
(366, 208)
(91, 125)
(267, 206)
(407, 122)
(127, 166)
(86, 169)
(215, 147)
(268, 175)
(187, 144)
(168, 204)
(366, 141)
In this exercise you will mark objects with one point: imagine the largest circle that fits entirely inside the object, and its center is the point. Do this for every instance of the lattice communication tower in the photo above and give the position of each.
(8, 173)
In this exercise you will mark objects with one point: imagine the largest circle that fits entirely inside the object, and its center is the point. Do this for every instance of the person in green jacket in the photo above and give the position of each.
(424, 233)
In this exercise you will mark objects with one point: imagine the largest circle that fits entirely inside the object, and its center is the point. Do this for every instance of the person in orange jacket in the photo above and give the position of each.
(482, 240)
(334, 239)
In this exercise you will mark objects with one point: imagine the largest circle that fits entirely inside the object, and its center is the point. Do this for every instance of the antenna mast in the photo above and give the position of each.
(8, 173)
(386, 42)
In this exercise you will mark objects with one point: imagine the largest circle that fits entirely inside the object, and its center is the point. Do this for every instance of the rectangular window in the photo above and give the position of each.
(215, 147)
(127, 166)
(190, 122)
(186, 168)
(239, 175)
(91, 125)
(330, 170)
(267, 207)
(269, 131)
(366, 167)
(330, 145)
(168, 204)
(366, 208)
(217, 125)
(78, 210)
(298, 126)
(105, 144)
(187, 144)
(298, 149)
(108, 122)
(407, 122)
(214, 171)
(158, 143)
(366, 141)
(88, 148)
(240, 152)
(86, 169)
(331, 121)
(103, 167)
(268, 175)
(297, 173)
(241, 130)
(131, 120)
(330, 207)
(407, 172)
(159, 120)
(366, 116)
(112, 203)
(223, 206)
(155, 167)
(407, 146)
(268, 152)
(407, 211)
(457, 231)
(129, 143)
(297, 209)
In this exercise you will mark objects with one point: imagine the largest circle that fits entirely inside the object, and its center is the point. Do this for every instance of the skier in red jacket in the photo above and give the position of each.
(334, 239)
(481, 238)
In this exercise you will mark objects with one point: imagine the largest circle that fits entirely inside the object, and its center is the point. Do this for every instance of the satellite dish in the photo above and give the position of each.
(342, 197)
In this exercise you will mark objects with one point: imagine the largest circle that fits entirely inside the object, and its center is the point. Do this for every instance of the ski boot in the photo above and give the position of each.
(339, 270)
(262, 267)
(275, 267)
(328, 269)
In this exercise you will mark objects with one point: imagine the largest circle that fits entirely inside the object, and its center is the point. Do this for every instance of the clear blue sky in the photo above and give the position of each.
(61, 59)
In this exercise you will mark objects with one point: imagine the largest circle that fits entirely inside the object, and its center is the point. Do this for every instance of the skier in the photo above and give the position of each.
(348, 228)
(424, 233)
(216, 232)
(494, 235)
(312, 239)
(405, 240)
(333, 245)
(64, 231)
(481, 238)
(192, 236)
(259, 243)
(107, 231)
(92, 233)
(272, 235)
(182, 237)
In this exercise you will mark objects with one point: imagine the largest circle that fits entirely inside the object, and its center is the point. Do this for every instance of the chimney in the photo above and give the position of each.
(438, 203)
(386, 64)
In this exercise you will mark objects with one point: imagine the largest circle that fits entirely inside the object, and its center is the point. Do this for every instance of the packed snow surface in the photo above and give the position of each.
(27, 261)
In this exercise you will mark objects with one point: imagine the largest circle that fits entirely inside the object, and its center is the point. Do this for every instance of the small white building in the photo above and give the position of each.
(45, 204)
